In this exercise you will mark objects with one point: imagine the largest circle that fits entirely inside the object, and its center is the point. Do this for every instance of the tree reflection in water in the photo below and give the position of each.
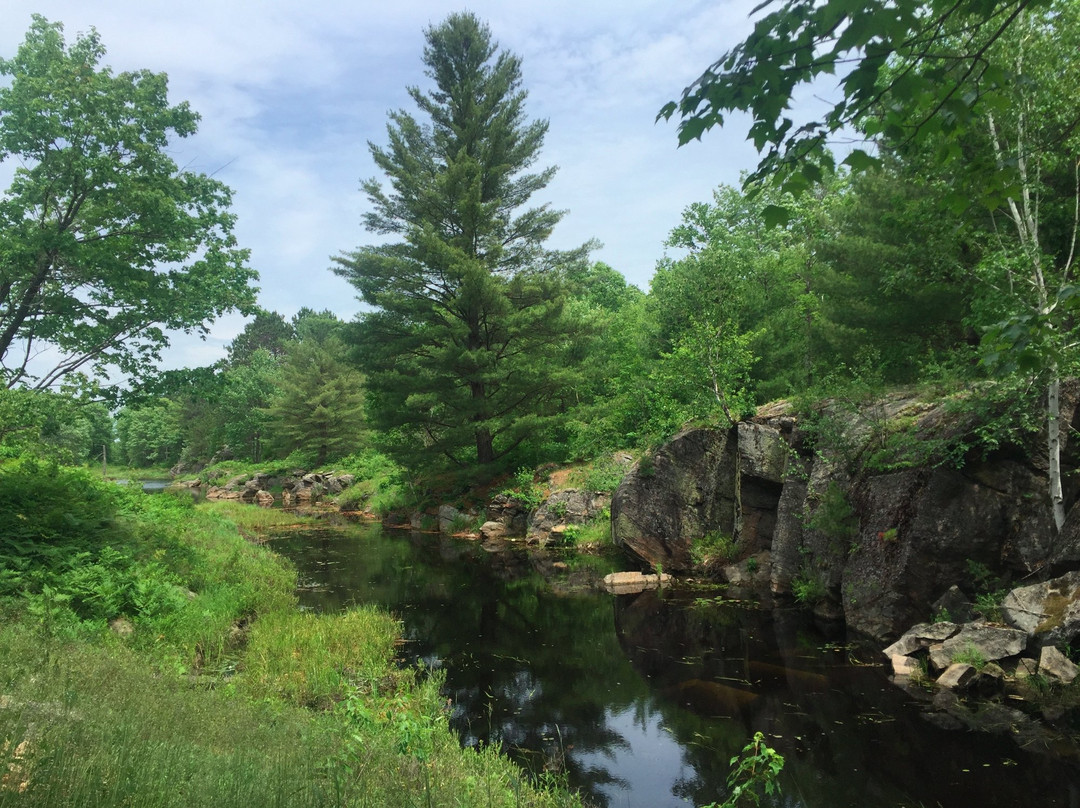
(642, 699)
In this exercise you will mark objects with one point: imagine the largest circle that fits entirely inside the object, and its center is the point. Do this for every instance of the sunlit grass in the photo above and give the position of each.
(223, 694)
(252, 518)
(316, 660)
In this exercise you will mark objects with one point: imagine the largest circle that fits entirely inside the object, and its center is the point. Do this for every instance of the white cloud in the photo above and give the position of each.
(291, 92)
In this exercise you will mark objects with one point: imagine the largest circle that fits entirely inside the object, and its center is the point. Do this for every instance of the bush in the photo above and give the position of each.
(834, 516)
(602, 474)
(525, 489)
(808, 589)
(713, 548)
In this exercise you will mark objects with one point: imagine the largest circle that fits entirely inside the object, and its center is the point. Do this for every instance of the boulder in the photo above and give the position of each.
(754, 571)
(628, 583)
(763, 452)
(683, 491)
(954, 605)
(570, 506)
(1026, 667)
(217, 492)
(264, 499)
(905, 665)
(493, 531)
(921, 636)
(510, 512)
(1049, 611)
(990, 643)
(448, 514)
(957, 676)
(1054, 664)
(991, 680)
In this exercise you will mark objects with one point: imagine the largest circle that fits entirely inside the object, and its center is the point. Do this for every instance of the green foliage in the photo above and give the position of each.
(318, 660)
(602, 474)
(53, 426)
(150, 434)
(912, 71)
(713, 548)
(127, 731)
(467, 350)
(989, 588)
(104, 242)
(834, 516)
(808, 588)
(243, 401)
(754, 774)
(525, 490)
(970, 655)
(382, 486)
(267, 332)
(318, 407)
(596, 532)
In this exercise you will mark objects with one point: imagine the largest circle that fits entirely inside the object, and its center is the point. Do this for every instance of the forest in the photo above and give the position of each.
(943, 259)
(921, 235)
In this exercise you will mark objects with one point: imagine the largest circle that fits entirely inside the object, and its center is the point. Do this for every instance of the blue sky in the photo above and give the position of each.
(291, 92)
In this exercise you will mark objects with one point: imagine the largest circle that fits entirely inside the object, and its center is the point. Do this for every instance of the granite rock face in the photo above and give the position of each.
(866, 513)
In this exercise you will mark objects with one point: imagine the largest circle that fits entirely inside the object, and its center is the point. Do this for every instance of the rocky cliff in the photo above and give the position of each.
(871, 511)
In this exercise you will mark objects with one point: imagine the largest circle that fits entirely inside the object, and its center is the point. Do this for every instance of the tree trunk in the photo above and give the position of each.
(1053, 432)
(485, 449)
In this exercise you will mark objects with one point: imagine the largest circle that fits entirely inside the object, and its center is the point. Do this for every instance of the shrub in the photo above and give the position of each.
(834, 516)
(602, 474)
(713, 548)
(593, 533)
(808, 589)
(525, 489)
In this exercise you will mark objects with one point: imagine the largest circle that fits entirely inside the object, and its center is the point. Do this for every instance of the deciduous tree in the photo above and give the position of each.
(104, 243)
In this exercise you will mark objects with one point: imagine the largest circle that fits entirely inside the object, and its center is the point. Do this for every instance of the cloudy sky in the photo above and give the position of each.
(290, 93)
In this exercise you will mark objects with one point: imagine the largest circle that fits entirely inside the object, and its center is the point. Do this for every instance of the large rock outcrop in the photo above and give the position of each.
(864, 518)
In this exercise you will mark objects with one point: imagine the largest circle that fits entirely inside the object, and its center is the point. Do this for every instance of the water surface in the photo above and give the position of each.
(642, 699)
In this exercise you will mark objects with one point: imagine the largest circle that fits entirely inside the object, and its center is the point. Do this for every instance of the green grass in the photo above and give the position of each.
(594, 533)
(713, 548)
(317, 660)
(223, 693)
(102, 729)
(601, 474)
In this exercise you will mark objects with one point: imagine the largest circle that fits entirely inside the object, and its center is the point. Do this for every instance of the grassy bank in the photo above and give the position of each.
(210, 687)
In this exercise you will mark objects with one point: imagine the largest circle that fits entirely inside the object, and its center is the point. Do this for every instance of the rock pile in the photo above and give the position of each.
(978, 654)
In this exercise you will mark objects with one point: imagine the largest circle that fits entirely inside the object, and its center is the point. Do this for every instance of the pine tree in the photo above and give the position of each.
(319, 406)
(465, 349)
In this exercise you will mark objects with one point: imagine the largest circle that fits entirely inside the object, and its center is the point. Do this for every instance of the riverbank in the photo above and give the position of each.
(151, 655)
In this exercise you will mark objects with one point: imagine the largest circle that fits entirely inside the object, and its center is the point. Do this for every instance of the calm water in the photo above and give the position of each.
(643, 699)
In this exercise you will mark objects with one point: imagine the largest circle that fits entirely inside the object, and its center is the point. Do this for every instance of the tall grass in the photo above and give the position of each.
(219, 691)
(318, 660)
(98, 727)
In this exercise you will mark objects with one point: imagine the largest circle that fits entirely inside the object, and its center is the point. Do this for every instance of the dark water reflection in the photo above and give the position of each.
(643, 699)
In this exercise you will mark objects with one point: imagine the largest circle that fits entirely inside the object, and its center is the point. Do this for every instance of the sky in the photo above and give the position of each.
(291, 93)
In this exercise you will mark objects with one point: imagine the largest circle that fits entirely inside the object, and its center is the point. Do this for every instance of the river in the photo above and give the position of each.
(642, 699)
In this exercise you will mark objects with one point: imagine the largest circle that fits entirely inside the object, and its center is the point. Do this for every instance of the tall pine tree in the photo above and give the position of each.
(465, 350)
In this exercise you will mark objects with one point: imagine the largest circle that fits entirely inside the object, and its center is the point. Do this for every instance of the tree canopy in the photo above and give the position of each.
(907, 70)
(105, 244)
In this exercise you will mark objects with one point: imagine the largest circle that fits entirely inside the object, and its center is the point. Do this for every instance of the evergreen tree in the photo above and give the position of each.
(319, 407)
(467, 343)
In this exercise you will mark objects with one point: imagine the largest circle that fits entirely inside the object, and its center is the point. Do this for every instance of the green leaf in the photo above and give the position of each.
(775, 216)
(860, 161)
